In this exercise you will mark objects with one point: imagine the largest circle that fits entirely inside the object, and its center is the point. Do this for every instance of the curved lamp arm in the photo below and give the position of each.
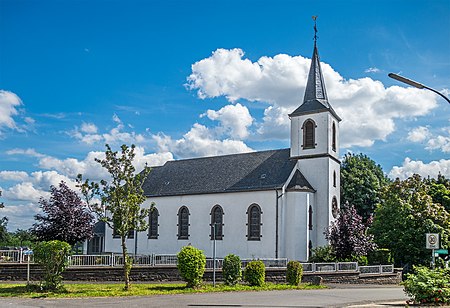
(416, 84)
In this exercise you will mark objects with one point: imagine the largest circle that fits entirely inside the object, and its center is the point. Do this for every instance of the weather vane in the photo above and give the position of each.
(315, 28)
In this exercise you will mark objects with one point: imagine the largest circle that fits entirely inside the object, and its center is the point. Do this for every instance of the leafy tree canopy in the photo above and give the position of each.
(3, 223)
(120, 198)
(403, 217)
(348, 235)
(361, 182)
(65, 217)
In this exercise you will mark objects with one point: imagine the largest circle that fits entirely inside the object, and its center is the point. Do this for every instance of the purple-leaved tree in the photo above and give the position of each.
(348, 235)
(65, 217)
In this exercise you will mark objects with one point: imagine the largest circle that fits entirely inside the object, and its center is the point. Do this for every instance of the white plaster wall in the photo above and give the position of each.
(295, 225)
(235, 219)
(323, 135)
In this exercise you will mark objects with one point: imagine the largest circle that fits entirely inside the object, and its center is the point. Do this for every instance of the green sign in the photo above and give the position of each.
(441, 251)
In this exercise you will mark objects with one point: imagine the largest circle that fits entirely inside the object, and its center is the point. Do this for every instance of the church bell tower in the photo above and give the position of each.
(315, 146)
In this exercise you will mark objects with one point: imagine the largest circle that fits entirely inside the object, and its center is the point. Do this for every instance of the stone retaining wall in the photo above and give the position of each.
(18, 272)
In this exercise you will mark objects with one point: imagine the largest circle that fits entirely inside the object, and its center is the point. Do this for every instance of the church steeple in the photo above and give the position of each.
(315, 99)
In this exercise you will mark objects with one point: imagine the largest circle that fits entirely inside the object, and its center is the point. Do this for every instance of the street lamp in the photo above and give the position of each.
(416, 84)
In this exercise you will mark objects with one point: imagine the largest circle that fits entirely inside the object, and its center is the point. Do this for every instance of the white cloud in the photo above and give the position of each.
(372, 70)
(16, 176)
(9, 102)
(434, 141)
(28, 152)
(418, 134)
(368, 109)
(199, 141)
(440, 142)
(89, 128)
(411, 167)
(25, 192)
(88, 134)
(234, 120)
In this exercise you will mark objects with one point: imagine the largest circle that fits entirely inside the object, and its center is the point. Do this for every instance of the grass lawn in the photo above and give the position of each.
(138, 289)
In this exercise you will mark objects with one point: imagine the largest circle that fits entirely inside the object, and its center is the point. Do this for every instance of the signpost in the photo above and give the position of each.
(28, 253)
(432, 242)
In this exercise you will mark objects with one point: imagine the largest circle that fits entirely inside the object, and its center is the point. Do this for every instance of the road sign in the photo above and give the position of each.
(28, 252)
(432, 240)
(441, 251)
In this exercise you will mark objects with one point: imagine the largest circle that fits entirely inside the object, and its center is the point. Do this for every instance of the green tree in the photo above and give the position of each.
(120, 198)
(440, 191)
(406, 213)
(4, 236)
(361, 182)
(21, 238)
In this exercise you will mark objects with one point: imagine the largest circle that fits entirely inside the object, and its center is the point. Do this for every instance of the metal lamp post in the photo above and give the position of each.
(416, 84)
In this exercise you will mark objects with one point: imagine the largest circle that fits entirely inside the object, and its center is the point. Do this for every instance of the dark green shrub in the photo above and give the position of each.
(294, 273)
(191, 265)
(322, 254)
(255, 273)
(428, 286)
(380, 256)
(232, 270)
(52, 257)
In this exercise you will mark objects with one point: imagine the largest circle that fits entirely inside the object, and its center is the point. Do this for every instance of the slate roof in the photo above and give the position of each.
(316, 99)
(218, 174)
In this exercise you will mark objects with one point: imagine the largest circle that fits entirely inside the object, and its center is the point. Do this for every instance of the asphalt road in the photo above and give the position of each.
(336, 296)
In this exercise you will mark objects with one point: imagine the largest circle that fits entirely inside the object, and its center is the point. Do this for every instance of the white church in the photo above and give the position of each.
(268, 204)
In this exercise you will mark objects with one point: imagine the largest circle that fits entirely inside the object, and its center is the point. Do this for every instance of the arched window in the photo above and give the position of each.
(334, 207)
(183, 223)
(309, 134)
(217, 222)
(254, 223)
(334, 178)
(333, 133)
(153, 223)
(310, 218)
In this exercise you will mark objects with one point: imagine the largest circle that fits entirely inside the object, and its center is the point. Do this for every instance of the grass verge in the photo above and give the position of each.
(108, 290)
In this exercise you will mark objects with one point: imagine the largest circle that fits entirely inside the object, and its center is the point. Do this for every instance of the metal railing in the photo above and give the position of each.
(114, 259)
(376, 269)
(14, 256)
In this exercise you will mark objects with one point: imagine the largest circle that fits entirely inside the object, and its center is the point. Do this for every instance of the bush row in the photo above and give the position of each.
(192, 261)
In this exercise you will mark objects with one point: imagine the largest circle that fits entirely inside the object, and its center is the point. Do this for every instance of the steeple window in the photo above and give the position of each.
(333, 141)
(309, 134)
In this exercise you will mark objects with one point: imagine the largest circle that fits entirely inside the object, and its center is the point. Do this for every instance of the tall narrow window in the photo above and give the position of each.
(217, 222)
(334, 178)
(309, 134)
(183, 223)
(153, 223)
(333, 133)
(310, 218)
(254, 223)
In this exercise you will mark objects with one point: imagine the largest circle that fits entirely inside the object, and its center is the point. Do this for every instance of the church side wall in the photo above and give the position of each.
(235, 206)
(295, 225)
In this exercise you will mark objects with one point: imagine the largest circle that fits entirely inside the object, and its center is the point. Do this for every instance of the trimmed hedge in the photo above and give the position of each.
(255, 273)
(294, 273)
(191, 265)
(232, 269)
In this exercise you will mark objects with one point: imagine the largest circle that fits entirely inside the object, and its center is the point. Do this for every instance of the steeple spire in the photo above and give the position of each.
(315, 99)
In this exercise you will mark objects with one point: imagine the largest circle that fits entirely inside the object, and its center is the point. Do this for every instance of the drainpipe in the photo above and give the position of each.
(276, 222)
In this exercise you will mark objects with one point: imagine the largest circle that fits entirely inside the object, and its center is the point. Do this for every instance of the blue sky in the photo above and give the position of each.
(193, 78)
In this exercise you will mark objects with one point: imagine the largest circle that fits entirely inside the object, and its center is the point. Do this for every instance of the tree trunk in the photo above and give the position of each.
(126, 264)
